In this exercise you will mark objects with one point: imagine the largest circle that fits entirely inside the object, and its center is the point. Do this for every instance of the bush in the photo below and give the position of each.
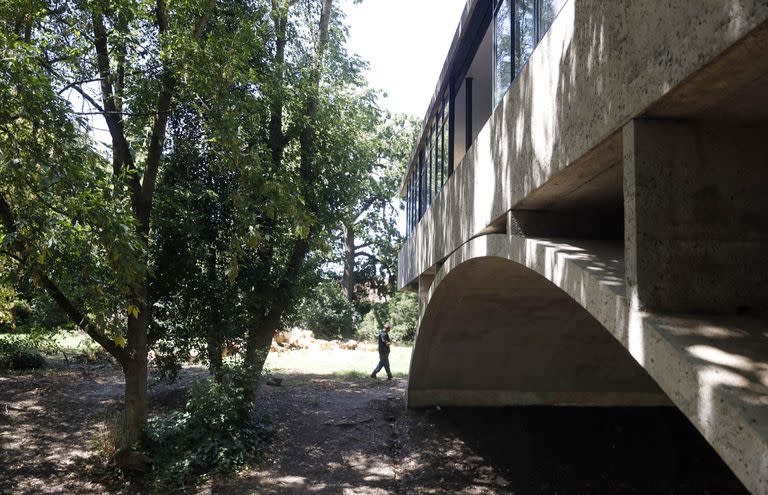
(217, 432)
(401, 312)
(404, 316)
(326, 312)
(20, 353)
(371, 324)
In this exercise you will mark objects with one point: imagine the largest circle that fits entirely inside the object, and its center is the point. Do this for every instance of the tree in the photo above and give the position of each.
(68, 214)
(369, 231)
(265, 111)
(249, 224)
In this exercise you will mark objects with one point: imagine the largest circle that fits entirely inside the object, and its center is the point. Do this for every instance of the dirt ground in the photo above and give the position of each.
(351, 435)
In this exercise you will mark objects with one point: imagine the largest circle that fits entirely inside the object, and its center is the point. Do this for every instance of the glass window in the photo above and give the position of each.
(548, 10)
(429, 165)
(502, 50)
(422, 185)
(444, 142)
(407, 211)
(525, 32)
(438, 158)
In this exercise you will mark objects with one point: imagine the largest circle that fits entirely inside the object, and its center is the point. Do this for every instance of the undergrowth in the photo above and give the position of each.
(20, 354)
(217, 432)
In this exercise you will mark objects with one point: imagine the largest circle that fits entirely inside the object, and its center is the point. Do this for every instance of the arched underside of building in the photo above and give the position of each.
(498, 333)
(509, 320)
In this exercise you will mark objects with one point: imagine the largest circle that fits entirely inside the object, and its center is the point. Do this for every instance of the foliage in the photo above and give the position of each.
(254, 185)
(237, 133)
(217, 432)
(372, 322)
(327, 312)
(401, 312)
(20, 353)
(57, 220)
(404, 316)
(369, 236)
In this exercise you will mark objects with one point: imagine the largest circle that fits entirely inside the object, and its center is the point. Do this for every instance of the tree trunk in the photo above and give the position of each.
(348, 277)
(213, 332)
(260, 335)
(135, 370)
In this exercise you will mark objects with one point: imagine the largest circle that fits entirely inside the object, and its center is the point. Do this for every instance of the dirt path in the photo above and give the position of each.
(355, 436)
(337, 435)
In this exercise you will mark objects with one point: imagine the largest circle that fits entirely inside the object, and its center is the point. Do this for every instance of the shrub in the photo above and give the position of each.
(401, 312)
(404, 316)
(327, 312)
(372, 322)
(217, 432)
(20, 353)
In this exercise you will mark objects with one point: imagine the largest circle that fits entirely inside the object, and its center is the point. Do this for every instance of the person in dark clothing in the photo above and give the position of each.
(384, 343)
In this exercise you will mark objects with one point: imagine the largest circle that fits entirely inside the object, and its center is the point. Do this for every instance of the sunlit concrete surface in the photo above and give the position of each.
(557, 130)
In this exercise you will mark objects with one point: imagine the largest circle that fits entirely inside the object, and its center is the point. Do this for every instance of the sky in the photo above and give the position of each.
(405, 42)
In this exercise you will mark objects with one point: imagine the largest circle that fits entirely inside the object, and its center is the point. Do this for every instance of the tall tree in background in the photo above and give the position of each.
(259, 202)
(369, 231)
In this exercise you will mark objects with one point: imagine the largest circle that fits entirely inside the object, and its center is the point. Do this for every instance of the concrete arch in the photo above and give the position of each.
(710, 367)
(495, 331)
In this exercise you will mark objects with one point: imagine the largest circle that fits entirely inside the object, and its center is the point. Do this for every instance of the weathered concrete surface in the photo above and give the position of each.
(696, 216)
(600, 65)
(714, 369)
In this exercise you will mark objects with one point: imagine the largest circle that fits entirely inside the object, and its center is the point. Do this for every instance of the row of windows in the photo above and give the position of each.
(517, 27)
(433, 167)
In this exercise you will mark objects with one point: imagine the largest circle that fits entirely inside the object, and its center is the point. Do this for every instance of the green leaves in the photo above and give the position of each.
(133, 311)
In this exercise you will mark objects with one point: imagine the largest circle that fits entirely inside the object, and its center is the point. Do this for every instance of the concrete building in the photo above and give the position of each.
(588, 214)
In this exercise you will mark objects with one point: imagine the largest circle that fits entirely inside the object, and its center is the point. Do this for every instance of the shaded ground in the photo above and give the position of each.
(51, 422)
(356, 437)
(343, 434)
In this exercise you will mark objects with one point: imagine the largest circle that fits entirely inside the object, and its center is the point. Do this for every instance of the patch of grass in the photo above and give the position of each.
(340, 363)
(360, 375)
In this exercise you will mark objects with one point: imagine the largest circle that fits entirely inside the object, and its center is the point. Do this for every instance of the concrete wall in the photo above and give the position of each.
(599, 66)
(576, 149)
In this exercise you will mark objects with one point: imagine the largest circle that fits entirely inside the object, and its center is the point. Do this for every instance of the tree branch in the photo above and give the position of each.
(61, 300)
(364, 207)
(370, 256)
(77, 83)
(307, 136)
(121, 154)
(142, 202)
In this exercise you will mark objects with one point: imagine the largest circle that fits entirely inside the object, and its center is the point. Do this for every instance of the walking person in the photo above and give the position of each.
(384, 343)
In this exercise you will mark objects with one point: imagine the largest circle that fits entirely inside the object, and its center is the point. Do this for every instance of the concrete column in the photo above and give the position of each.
(696, 216)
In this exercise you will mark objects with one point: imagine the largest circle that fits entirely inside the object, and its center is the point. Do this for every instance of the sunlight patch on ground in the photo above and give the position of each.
(357, 363)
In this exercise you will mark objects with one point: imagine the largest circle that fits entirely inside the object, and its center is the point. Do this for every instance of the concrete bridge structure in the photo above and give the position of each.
(588, 215)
